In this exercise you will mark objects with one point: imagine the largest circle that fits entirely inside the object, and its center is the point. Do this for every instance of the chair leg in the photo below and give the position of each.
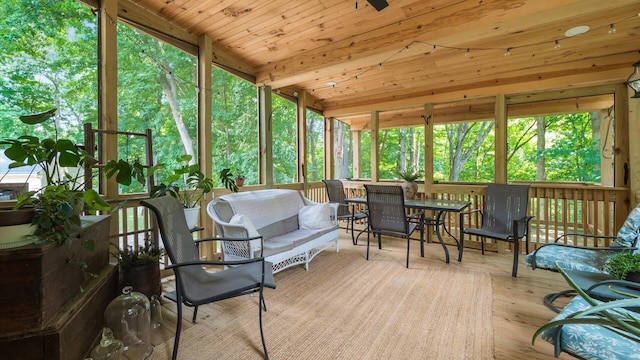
(482, 244)
(516, 251)
(178, 328)
(408, 242)
(379, 241)
(368, 239)
(195, 314)
(353, 237)
(264, 344)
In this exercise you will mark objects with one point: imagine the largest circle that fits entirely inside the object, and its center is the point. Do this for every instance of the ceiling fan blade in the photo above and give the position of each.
(378, 4)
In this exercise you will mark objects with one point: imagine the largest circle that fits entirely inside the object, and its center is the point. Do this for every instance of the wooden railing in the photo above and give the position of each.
(557, 209)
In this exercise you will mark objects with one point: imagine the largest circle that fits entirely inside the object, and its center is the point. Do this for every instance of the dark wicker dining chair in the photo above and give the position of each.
(504, 218)
(387, 216)
(194, 285)
(335, 192)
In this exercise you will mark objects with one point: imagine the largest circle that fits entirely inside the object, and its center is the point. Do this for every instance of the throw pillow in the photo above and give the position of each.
(316, 216)
(241, 219)
(630, 230)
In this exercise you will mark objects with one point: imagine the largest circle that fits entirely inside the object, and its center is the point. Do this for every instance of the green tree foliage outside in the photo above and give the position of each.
(285, 133)
(48, 59)
(234, 126)
(315, 146)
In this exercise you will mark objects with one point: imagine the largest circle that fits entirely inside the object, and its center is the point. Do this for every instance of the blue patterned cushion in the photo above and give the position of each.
(569, 258)
(630, 230)
(591, 341)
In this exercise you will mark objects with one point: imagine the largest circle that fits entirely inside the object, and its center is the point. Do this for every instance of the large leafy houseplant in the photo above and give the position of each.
(59, 202)
(187, 183)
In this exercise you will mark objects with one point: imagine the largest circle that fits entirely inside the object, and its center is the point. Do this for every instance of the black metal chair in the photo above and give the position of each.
(504, 218)
(335, 192)
(194, 285)
(385, 206)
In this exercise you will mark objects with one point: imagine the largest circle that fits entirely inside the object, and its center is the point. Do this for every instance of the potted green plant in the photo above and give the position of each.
(227, 179)
(624, 265)
(57, 205)
(240, 180)
(139, 268)
(189, 185)
(410, 187)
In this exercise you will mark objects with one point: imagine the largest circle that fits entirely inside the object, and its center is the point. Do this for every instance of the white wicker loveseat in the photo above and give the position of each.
(294, 229)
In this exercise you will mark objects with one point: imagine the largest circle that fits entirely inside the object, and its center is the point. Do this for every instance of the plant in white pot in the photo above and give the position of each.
(189, 185)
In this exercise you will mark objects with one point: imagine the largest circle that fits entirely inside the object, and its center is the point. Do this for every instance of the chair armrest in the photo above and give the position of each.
(525, 219)
(418, 215)
(470, 212)
(228, 239)
(584, 235)
(215, 262)
(248, 240)
(615, 282)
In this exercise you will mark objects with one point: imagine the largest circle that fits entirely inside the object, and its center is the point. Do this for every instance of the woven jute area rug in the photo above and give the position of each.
(345, 307)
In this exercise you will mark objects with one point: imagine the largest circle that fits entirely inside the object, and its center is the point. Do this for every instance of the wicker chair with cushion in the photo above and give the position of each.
(335, 192)
(385, 205)
(194, 285)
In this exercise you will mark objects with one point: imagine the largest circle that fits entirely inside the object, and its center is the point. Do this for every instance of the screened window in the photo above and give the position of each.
(401, 149)
(48, 61)
(156, 90)
(464, 152)
(342, 150)
(285, 134)
(234, 127)
(568, 140)
(315, 146)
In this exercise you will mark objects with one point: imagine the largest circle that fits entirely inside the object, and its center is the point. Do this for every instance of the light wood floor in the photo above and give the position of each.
(518, 309)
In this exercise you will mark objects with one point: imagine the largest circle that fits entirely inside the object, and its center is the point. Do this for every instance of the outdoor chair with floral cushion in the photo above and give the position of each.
(583, 258)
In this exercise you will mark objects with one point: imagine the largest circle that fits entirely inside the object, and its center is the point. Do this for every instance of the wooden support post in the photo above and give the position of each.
(329, 149)
(375, 147)
(266, 135)
(301, 117)
(428, 150)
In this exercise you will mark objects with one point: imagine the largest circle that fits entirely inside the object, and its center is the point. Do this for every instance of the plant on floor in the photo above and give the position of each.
(623, 264)
(143, 255)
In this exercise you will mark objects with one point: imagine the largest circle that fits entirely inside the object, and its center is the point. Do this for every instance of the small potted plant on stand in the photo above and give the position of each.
(187, 184)
(410, 187)
(624, 265)
(240, 180)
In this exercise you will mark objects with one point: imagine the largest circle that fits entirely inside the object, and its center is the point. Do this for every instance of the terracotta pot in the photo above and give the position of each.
(239, 182)
(144, 279)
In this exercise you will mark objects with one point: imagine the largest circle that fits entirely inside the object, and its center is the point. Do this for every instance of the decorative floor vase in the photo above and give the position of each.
(410, 189)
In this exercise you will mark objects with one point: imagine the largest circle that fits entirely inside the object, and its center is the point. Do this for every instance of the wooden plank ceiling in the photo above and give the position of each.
(414, 51)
